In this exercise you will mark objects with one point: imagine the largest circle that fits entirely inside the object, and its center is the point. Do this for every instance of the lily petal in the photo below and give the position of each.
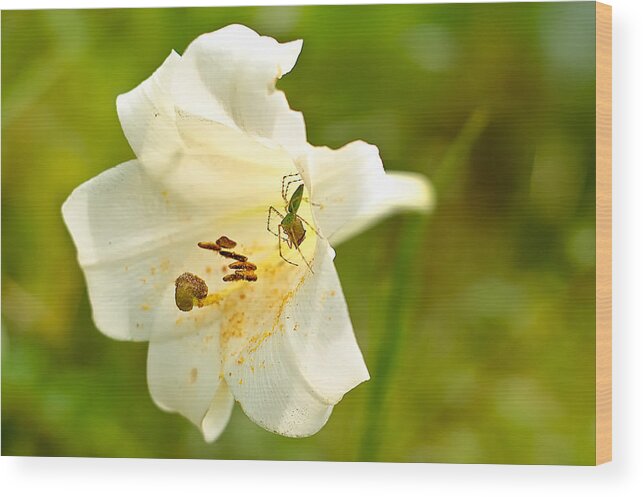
(350, 190)
(221, 164)
(229, 76)
(147, 115)
(183, 375)
(301, 359)
(218, 414)
(133, 240)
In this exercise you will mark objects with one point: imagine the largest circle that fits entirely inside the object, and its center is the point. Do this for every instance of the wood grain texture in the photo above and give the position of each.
(603, 233)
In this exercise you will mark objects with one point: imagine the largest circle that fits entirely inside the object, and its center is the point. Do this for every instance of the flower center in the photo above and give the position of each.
(191, 290)
(282, 253)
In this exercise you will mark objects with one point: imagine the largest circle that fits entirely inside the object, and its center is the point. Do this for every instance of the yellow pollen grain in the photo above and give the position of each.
(240, 381)
(193, 375)
(145, 307)
(233, 328)
(241, 360)
(213, 298)
(255, 342)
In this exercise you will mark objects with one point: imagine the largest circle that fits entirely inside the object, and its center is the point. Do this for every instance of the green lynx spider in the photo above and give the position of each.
(292, 224)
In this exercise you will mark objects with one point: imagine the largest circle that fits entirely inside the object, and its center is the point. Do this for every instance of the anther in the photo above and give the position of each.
(241, 275)
(209, 246)
(245, 265)
(226, 242)
(247, 275)
(233, 255)
(244, 270)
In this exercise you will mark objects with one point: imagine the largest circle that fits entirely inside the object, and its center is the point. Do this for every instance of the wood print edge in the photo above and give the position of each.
(603, 233)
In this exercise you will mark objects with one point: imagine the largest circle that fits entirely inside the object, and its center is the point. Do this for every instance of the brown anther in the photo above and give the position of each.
(247, 275)
(189, 287)
(233, 255)
(225, 242)
(248, 266)
(241, 275)
(209, 246)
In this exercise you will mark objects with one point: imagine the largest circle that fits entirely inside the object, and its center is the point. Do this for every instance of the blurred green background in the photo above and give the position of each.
(476, 322)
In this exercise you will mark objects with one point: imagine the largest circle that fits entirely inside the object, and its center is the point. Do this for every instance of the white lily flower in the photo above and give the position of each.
(213, 139)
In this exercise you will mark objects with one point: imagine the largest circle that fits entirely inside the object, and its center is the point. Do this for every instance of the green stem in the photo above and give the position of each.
(410, 245)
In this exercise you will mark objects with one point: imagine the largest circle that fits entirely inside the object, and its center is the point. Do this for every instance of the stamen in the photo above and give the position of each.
(209, 246)
(226, 242)
(233, 255)
(247, 275)
(241, 275)
(248, 266)
(190, 290)
(244, 270)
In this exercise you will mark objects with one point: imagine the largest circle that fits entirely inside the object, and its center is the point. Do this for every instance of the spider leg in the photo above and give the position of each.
(308, 224)
(302, 256)
(270, 211)
(284, 187)
(280, 253)
(285, 193)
